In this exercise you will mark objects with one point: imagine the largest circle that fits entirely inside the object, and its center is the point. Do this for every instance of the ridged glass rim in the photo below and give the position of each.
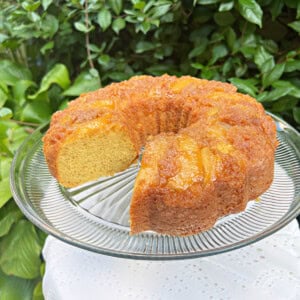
(31, 214)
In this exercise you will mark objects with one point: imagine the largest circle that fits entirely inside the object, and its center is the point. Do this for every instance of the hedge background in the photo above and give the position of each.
(51, 51)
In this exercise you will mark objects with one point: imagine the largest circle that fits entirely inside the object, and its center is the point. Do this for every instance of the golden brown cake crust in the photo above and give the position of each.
(132, 103)
(208, 149)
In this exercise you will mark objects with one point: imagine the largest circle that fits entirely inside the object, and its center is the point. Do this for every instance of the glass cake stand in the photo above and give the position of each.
(95, 216)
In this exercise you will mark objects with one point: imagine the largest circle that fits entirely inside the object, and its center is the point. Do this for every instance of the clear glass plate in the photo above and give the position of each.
(95, 216)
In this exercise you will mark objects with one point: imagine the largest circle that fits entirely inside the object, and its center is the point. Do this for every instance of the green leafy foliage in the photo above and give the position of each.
(118, 24)
(20, 251)
(5, 193)
(295, 25)
(15, 288)
(52, 51)
(58, 74)
(9, 214)
(85, 82)
(104, 18)
(38, 292)
(251, 11)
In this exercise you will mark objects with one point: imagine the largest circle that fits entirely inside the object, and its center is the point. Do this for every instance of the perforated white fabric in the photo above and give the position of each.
(268, 269)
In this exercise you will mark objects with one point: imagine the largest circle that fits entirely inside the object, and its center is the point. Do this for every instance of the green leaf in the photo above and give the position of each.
(160, 69)
(292, 65)
(261, 97)
(49, 26)
(42, 238)
(17, 136)
(144, 46)
(43, 269)
(224, 18)
(245, 85)
(58, 74)
(94, 48)
(118, 24)
(14, 288)
(19, 90)
(276, 94)
(199, 49)
(11, 72)
(295, 25)
(85, 82)
(31, 6)
(197, 66)
(144, 27)
(293, 89)
(3, 37)
(204, 31)
(104, 60)
(284, 104)
(250, 39)
(5, 113)
(3, 97)
(118, 76)
(251, 11)
(155, 22)
(226, 6)
(38, 292)
(264, 60)
(5, 193)
(227, 66)
(273, 75)
(4, 128)
(240, 70)
(276, 8)
(271, 46)
(230, 36)
(33, 17)
(160, 10)
(11, 137)
(9, 214)
(4, 87)
(4, 149)
(36, 112)
(116, 6)
(296, 114)
(46, 47)
(46, 3)
(218, 52)
(20, 251)
(207, 73)
(64, 104)
(207, 2)
(104, 18)
(82, 27)
(139, 4)
(5, 167)
(267, 65)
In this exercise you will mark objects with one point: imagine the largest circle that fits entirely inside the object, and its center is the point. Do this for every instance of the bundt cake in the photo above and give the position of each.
(208, 150)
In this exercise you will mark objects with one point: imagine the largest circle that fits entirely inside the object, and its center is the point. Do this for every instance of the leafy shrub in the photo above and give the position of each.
(51, 51)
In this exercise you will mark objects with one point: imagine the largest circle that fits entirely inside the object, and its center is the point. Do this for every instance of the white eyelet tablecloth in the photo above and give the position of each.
(268, 269)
